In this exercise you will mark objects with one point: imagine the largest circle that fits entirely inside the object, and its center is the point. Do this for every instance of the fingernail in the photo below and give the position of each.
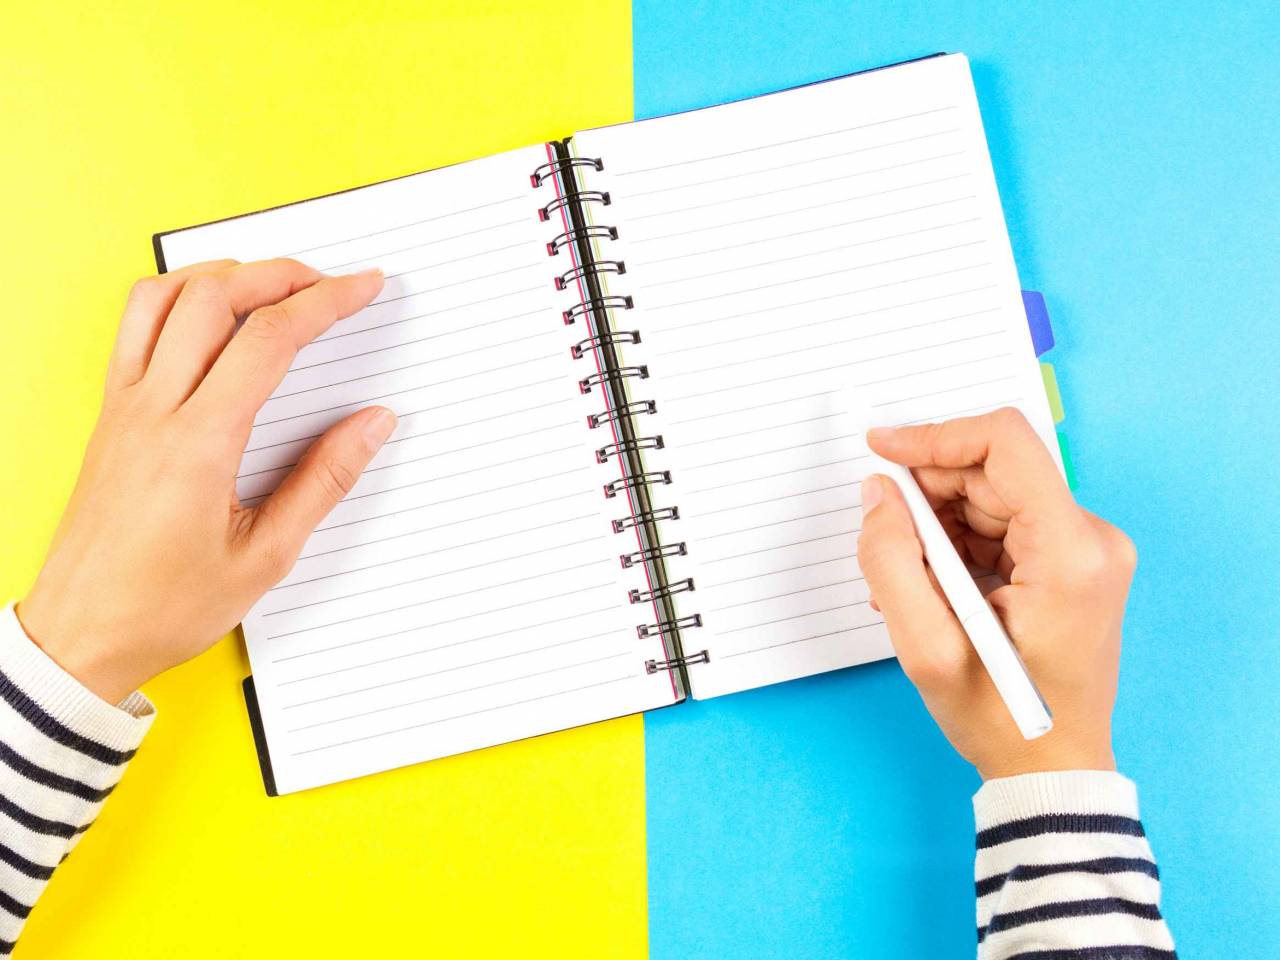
(880, 433)
(378, 427)
(372, 273)
(872, 492)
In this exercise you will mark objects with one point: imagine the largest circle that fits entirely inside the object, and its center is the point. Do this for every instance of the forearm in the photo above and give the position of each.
(62, 751)
(1064, 870)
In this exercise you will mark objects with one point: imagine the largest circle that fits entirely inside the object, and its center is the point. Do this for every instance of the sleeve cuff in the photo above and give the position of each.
(35, 683)
(1066, 791)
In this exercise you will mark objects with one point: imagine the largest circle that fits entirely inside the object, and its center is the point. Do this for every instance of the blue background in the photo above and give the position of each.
(826, 817)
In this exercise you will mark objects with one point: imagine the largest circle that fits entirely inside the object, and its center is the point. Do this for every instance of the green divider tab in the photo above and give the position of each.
(1068, 467)
(1051, 390)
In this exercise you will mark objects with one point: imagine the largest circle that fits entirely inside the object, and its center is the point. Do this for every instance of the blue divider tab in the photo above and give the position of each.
(1038, 321)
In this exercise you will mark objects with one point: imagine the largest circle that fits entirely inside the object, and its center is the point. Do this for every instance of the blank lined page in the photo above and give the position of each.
(779, 249)
(467, 592)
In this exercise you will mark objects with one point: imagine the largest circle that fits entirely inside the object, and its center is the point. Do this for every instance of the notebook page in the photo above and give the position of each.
(467, 592)
(779, 249)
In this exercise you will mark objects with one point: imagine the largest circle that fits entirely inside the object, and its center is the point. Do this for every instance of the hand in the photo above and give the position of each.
(1001, 499)
(155, 558)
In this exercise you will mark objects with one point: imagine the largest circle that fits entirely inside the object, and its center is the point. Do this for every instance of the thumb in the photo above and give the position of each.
(325, 474)
(929, 641)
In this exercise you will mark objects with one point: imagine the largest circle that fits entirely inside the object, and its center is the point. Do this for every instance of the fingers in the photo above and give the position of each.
(205, 314)
(324, 475)
(925, 633)
(259, 355)
(145, 312)
(1016, 464)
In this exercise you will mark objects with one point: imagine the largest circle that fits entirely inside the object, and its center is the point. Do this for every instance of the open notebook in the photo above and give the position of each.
(621, 475)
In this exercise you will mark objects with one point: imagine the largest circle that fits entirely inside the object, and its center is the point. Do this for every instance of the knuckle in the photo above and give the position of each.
(204, 288)
(935, 668)
(145, 289)
(336, 478)
(269, 323)
(1008, 420)
(1123, 550)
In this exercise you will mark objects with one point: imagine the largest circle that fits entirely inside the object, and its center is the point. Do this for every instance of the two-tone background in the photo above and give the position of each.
(822, 818)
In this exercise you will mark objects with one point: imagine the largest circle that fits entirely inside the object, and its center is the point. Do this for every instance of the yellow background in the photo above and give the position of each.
(122, 119)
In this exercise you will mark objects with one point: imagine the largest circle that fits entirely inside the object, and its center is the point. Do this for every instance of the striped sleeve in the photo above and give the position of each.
(62, 751)
(1064, 871)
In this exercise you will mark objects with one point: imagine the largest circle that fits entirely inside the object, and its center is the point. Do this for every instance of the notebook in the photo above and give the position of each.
(621, 475)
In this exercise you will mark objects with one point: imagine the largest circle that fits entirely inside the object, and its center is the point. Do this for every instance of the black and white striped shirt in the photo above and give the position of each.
(1064, 871)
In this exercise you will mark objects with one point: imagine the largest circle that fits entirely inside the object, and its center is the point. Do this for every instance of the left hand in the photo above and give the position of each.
(155, 558)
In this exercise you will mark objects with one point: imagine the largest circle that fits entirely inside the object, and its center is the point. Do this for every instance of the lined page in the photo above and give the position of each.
(780, 249)
(467, 592)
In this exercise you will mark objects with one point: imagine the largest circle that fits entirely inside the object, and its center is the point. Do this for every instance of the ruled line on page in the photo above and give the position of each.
(831, 296)
(438, 263)
(464, 496)
(786, 496)
(817, 276)
(773, 476)
(690, 208)
(403, 226)
(789, 593)
(776, 237)
(424, 244)
(518, 508)
(441, 623)
(633, 194)
(441, 550)
(786, 213)
(462, 716)
(449, 646)
(774, 261)
(783, 546)
(828, 344)
(453, 693)
(838, 366)
(797, 616)
(788, 331)
(791, 142)
(441, 453)
(425, 316)
(397, 393)
(417, 340)
(702, 587)
(765, 453)
(500, 585)
(787, 643)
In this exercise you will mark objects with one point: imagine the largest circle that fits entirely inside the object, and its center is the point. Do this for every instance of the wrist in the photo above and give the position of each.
(1054, 752)
(85, 651)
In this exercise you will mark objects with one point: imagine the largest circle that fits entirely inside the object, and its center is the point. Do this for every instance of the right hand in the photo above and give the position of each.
(999, 495)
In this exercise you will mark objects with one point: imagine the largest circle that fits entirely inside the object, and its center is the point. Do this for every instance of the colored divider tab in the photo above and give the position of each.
(1051, 391)
(1068, 467)
(1038, 321)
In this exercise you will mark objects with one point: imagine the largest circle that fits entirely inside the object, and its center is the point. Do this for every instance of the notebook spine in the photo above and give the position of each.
(588, 275)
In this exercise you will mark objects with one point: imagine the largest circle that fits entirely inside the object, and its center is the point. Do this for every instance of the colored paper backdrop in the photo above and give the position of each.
(120, 119)
(816, 819)
(1134, 148)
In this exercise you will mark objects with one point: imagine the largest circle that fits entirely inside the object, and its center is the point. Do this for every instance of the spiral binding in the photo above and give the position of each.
(621, 373)
(613, 336)
(548, 170)
(645, 596)
(579, 237)
(633, 409)
(582, 196)
(653, 666)
(572, 236)
(641, 443)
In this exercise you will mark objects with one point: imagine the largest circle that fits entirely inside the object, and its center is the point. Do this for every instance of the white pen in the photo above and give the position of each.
(986, 633)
